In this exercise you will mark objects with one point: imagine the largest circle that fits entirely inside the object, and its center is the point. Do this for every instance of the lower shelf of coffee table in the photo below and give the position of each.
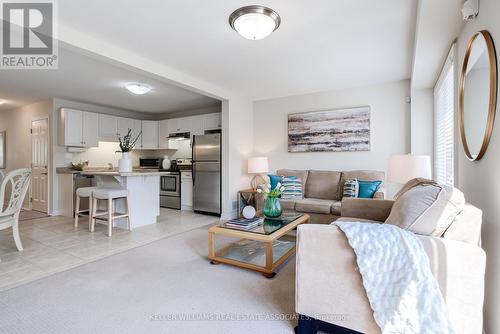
(254, 255)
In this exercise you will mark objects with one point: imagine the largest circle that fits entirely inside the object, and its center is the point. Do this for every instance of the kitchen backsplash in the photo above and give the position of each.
(106, 153)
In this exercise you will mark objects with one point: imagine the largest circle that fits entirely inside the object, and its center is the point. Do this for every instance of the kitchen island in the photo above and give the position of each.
(144, 193)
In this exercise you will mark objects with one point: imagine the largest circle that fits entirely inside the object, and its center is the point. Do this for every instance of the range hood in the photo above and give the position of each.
(179, 136)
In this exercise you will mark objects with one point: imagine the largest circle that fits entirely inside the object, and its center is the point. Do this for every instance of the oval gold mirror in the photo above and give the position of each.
(478, 95)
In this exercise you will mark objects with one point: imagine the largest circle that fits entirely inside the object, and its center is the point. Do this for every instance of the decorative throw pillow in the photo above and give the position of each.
(413, 183)
(427, 209)
(351, 188)
(368, 188)
(293, 188)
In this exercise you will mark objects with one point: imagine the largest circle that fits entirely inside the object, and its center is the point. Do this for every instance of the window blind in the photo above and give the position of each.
(444, 111)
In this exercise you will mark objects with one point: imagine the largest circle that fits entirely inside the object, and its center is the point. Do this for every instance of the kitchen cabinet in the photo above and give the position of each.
(127, 123)
(186, 190)
(78, 128)
(177, 125)
(90, 129)
(212, 121)
(164, 132)
(150, 135)
(197, 125)
(108, 128)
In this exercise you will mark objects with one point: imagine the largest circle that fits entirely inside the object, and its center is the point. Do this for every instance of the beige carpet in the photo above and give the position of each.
(148, 290)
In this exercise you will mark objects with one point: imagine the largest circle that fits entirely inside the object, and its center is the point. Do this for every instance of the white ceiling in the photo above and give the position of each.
(86, 79)
(320, 45)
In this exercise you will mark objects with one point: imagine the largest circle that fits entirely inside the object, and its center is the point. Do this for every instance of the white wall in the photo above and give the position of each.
(17, 123)
(422, 122)
(390, 122)
(237, 138)
(480, 181)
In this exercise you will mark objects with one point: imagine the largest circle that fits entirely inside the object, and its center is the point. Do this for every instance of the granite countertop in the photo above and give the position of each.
(66, 170)
(111, 172)
(117, 173)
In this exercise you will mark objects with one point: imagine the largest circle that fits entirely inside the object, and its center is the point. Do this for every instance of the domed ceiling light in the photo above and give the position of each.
(138, 88)
(254, 22)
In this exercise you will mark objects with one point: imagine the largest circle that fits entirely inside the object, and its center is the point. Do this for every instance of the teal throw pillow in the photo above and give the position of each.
(368, 188)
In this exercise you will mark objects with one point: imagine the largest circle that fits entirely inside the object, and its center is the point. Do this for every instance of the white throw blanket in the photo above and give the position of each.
(403, 293)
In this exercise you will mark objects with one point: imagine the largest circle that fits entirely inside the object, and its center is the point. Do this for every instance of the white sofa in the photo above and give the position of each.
(329, 291)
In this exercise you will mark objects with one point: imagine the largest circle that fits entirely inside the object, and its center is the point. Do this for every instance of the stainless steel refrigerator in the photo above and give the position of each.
(207, 173)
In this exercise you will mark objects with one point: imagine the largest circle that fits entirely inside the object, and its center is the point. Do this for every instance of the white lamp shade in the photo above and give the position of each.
(258, 165)
(403, 168)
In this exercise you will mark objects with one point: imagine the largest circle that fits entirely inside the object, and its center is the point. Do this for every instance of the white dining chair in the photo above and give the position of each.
(9, 217)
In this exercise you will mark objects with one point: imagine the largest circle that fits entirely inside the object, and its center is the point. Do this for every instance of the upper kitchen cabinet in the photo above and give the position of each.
(108, 128)
(164, 132)
(213, 121)
(127, 123)
(90, 129)
(150, 135)
(78, 128)
(197, 125)
(177, 125)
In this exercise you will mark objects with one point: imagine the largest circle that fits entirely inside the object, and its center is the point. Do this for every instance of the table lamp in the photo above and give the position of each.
(403, 168)
(258, 166)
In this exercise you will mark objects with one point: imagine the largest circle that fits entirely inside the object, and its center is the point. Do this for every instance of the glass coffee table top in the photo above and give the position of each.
(269, 225)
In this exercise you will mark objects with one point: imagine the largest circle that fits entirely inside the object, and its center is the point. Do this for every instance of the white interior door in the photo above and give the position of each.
(39, 165)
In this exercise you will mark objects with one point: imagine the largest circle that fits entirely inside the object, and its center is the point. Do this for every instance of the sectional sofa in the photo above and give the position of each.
(323, 191)
(329, 288)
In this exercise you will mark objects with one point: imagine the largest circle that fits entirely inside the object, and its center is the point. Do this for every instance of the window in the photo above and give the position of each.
(444, 111)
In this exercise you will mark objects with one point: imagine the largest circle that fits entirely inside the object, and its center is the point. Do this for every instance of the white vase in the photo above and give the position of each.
(125, 164)
(166, 163)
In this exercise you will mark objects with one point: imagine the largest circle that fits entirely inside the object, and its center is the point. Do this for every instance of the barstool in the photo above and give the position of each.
(110, 195)
(84, 192)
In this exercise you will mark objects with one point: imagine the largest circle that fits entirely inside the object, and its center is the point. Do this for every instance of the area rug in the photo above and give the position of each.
(167, 286)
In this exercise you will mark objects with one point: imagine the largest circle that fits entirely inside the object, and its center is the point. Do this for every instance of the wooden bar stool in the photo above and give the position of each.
(110, 195)
(84, 192)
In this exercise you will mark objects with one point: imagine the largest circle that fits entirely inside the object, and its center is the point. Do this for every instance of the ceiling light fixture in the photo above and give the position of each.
(3, 101)
(254, 22)
(138, 88)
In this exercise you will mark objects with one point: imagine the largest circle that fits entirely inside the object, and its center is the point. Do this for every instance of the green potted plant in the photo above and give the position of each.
(127, 144)
(272, 206)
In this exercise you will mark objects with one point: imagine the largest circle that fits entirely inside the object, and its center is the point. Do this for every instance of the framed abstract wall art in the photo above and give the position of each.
(337, 130)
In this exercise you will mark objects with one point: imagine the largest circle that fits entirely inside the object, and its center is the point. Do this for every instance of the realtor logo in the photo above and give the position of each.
(28, 35)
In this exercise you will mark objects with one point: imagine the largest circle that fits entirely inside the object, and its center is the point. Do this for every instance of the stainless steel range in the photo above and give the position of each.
(170, 190)
(170, 184)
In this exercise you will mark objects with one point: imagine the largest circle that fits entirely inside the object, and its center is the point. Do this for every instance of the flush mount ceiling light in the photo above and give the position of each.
(254, 22)
(138, 88)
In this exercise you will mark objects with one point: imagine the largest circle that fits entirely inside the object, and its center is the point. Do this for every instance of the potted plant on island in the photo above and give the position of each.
(272, 206)
(126, 145)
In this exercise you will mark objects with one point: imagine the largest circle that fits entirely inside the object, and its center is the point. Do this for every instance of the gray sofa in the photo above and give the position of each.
(323, 192)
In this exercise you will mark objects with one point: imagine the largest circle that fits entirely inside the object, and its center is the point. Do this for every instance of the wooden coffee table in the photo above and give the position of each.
(262, 249)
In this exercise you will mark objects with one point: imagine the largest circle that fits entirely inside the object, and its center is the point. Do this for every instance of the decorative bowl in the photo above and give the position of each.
(82, 165)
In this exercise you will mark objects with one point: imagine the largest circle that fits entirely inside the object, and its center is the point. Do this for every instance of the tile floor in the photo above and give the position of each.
(52, 244)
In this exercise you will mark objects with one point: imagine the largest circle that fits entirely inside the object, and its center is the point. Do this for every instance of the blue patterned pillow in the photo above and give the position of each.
(351, 188)
(293, 188)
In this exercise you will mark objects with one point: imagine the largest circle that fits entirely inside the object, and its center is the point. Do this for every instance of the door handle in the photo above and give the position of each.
(193, 172)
